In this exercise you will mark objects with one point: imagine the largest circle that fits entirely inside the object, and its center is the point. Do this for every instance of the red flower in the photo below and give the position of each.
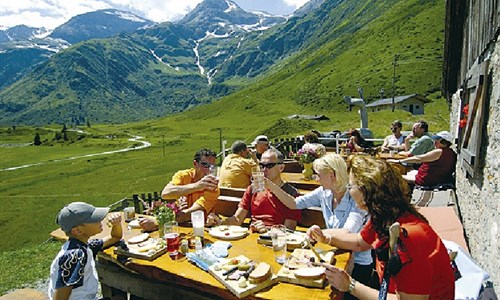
(462, 123)
(465, 110)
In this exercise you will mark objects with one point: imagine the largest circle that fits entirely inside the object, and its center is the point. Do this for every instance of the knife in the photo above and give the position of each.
(313, 250)
(228, 272)
(247, 273)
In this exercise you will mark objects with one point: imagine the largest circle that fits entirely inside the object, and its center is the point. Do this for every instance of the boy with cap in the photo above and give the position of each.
(72, 273)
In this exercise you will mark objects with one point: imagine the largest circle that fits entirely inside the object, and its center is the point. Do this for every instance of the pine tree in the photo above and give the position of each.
(37, 140)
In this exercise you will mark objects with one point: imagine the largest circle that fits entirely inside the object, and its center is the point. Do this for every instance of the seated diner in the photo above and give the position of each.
(437, 166)
(265, 208)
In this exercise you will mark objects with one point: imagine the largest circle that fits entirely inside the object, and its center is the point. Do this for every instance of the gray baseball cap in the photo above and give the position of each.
(77, 213)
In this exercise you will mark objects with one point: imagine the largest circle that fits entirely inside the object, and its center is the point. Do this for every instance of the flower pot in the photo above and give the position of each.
(308, 171)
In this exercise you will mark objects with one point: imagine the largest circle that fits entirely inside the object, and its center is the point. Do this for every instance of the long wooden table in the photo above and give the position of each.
(298, 181)
(164, 278)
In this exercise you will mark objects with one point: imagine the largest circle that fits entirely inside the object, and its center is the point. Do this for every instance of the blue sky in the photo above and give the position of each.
(52, 13)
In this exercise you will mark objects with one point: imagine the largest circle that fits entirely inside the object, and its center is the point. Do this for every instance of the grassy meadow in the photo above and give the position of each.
(32, 196)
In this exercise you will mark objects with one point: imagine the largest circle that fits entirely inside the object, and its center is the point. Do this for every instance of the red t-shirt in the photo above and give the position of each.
(428, 270)
(266, 207)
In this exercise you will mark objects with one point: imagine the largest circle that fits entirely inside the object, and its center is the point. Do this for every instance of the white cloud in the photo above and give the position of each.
(52, 13)
(295, 3)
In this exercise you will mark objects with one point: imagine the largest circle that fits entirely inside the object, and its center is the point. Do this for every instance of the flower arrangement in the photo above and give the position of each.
(308, 155)
(164, 212)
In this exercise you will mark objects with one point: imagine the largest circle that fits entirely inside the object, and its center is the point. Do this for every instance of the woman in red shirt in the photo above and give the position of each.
(422, 265)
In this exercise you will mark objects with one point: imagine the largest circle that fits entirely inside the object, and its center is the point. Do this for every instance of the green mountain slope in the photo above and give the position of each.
(315, 81)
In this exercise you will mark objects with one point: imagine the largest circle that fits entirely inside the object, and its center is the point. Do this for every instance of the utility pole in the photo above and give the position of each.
(394, 63)
(220, 145)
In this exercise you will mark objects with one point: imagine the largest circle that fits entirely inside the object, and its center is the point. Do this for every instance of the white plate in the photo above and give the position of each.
(231, 232)
(313, 272)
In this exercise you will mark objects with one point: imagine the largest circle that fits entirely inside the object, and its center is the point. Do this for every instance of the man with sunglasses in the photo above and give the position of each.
(265, 208)
(395, 141)
(195, 186)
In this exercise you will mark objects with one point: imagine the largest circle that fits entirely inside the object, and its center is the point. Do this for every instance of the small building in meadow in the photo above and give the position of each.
(309, 117)
(413, 103)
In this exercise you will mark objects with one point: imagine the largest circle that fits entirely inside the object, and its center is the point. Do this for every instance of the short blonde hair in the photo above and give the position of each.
(333, 162)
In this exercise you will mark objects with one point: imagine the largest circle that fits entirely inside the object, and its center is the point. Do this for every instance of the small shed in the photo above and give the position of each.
(309, 117)
(413, 103)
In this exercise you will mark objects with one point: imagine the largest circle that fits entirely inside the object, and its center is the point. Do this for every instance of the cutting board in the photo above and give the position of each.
(232, 285)
(299, 259)
(133, 251)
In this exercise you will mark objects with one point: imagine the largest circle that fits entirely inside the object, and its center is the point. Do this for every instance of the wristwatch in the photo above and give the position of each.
(352, 285)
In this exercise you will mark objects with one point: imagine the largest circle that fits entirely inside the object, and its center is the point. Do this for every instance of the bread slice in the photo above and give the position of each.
(138, 239)
(261, 273)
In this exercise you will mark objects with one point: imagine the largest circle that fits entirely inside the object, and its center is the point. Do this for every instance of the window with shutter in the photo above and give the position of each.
(472, 118)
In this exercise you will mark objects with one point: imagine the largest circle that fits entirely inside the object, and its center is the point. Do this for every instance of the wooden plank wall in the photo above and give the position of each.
(481, 26)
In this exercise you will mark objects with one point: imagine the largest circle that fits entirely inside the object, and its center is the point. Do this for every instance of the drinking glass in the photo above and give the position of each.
(172, 237)
(215, 171)
(198, 221)
(278, 236)
(258, 183)
(128, 214)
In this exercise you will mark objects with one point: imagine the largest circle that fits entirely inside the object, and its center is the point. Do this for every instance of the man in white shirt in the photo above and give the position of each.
(395, 141)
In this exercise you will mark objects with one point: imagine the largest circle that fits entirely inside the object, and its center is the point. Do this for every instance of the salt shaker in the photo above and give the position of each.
(198, 245)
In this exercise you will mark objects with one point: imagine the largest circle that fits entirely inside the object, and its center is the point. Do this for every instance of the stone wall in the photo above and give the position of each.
(479, 199)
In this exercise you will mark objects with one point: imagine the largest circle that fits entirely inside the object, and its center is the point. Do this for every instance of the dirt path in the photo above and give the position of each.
(145, 144)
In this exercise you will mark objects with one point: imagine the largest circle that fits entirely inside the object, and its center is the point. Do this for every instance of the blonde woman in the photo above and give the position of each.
(339, 209)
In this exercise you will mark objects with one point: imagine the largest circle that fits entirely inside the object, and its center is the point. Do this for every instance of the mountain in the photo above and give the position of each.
(308, 7)
(310, 62)
(99, 24)
(22, 33)
(22, 47)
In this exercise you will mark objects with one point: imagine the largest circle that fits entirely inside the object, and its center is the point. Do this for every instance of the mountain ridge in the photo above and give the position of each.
(166, 52)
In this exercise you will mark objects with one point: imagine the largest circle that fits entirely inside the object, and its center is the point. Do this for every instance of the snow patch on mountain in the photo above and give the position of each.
(126, 16)
(230, 7)
(161, 61)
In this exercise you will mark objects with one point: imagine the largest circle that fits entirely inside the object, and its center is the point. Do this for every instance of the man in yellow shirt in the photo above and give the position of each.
(196, 187)
(236, 169)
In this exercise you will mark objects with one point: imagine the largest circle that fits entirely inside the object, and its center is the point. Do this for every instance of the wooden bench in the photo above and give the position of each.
(24, 294)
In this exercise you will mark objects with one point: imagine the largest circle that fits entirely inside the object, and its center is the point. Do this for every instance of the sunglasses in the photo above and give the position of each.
(268, 166)
(205, 164)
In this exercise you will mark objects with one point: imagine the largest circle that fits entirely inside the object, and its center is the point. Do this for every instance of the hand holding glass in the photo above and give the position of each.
(258, 183)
